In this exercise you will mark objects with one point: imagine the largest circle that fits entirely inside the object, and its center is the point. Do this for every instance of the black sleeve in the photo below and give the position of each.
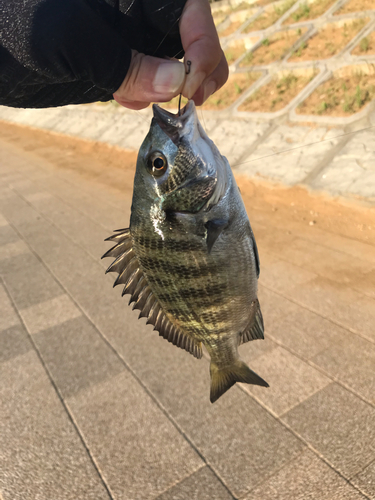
(57, 52)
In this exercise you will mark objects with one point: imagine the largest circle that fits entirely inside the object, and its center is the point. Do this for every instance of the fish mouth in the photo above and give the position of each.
(173, 123)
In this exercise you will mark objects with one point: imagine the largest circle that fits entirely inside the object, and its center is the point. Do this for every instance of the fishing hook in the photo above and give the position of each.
(188, 63)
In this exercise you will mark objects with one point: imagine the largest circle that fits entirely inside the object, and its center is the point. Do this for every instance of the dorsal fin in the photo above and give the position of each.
(130, 274)
(255, 329)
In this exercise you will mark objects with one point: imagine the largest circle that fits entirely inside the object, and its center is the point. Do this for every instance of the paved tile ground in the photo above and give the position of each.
(94, 405)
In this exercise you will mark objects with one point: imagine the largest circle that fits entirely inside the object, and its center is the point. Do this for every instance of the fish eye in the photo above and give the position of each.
(157, 163)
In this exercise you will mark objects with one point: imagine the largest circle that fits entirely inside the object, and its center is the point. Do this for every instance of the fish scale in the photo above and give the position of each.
(189, 259)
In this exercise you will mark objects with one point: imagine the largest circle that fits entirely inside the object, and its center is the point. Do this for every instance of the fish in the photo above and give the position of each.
(189, 259)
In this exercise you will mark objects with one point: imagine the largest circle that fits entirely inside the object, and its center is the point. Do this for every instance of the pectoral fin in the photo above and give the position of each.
(214, 229)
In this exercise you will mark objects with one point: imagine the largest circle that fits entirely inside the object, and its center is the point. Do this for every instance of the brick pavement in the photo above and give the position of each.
(94, 405)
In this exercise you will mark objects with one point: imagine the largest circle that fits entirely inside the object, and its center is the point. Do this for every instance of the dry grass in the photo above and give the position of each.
(356, 6)
(273, 49)
(309, 10)
(270, 17)
(224, 97)
(365, 46)
(277, 94)
(328, 41)
(232, 90)
(231, 28)
(340, 96)
(237, 48)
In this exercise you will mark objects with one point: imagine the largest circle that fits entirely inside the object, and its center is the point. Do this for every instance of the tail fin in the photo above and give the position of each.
(223, 379)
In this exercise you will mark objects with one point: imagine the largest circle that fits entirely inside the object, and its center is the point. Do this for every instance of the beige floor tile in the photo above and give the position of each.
(8, 316)
(291, 380)
(50, 313)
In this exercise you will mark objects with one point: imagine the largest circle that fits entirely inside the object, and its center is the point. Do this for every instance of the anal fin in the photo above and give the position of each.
(255, 329)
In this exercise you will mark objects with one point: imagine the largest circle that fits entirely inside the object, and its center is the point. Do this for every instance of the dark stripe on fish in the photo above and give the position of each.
(183, 245)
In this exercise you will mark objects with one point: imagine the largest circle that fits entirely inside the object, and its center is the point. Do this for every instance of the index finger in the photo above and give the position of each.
(201, 44)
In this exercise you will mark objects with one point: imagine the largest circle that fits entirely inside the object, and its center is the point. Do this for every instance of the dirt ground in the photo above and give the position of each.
(269, 17)
(356, 6)
(340, 96)
(328, 41)
(278, 205)
(273, 48)
(231, 28)
(365, 46)
(236, 49)
(309, 10)
(276, 94)
(227, 95)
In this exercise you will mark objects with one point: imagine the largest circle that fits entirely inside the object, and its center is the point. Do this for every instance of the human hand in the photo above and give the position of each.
(151, 79)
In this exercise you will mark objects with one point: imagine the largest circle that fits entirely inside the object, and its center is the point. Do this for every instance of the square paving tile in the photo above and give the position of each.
(28, 281)
(352, 360)
(282, 276)
(305, 332)
(41, 454)
(202, 485)
(12, 249)
(137, 448)
(38, 196)
(337, 302)
(339, 425)
(3, 221)
(331, 264)
(253, 443)
(76, 355)
(49, 313)
(366, 480)
(291, 380)
(14, 341)
(8, 316)
(274, 306)
(366, 285)
(79, 227)
(256, 348)
(306, 477)
(7, 235)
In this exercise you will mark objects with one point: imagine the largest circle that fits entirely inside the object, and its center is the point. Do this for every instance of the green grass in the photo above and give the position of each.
(302, 11)
(284, 7)
(364, 44)
(238, 88)
(302, 47)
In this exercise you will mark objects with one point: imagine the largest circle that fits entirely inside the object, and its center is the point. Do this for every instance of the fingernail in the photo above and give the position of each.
(209, 89)
(169, 77)
(193, 82)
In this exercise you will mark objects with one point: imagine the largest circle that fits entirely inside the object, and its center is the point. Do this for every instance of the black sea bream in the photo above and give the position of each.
(189, 259)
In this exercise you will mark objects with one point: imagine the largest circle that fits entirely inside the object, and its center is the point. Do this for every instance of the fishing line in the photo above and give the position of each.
(165, 36)
(260, 157)
(303, 146)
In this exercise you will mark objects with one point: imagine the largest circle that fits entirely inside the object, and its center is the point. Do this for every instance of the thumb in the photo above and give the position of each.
(150, 79)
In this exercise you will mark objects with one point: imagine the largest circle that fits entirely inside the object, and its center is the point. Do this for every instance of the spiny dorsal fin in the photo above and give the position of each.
(129, 274)
(255, 330)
